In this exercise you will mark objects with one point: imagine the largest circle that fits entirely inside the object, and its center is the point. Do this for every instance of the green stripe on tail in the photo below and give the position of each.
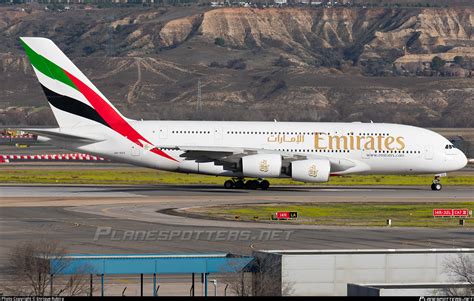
(46, 67)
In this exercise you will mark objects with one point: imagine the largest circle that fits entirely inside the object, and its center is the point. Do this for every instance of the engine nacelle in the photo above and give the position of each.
(311, 170)
(262, 166)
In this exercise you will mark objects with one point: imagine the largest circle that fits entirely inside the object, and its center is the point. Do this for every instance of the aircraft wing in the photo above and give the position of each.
(218, 155)
(227, 156)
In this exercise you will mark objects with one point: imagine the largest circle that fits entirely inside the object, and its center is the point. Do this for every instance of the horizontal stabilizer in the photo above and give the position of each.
(55, 133)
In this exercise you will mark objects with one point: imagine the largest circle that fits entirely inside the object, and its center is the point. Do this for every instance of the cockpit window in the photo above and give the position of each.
(449, 146)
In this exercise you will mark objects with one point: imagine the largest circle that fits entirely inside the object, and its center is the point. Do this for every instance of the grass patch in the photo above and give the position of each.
(148, 176)
(348, 214)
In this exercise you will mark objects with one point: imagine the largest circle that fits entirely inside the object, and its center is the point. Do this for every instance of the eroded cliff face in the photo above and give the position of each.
(361, 33)
(289, 64)
(306, 30)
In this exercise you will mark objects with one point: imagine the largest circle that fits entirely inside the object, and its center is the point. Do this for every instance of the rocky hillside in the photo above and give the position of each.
(348, 64)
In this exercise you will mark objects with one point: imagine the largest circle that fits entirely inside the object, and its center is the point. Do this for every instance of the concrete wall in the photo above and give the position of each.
(327, 273)
(416, 289)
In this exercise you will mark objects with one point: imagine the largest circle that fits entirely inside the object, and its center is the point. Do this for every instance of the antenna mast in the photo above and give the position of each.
(199, 99)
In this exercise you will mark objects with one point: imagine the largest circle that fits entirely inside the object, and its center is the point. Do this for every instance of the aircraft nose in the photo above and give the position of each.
(461, 159)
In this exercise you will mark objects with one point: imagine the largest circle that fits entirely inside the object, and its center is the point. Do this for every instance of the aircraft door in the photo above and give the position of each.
(135, 151)
(428, 154)
(368, 154)
(365, 154)
(163, 132)
(218, 134)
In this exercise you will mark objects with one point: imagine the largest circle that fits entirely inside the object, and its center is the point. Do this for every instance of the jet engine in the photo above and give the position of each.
(311, 170)
(262, 166)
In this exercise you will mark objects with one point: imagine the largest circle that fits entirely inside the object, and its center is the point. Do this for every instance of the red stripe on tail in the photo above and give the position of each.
(112, 117)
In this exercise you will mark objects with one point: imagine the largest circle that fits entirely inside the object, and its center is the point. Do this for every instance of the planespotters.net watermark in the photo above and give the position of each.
(188, 235)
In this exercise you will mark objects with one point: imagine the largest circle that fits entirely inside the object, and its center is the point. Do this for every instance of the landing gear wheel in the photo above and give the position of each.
(436, 184)
(229, 184)
(251, 184)
(239, 184)
(264, 185)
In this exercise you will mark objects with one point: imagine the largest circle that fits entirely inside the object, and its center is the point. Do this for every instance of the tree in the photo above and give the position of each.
(437, 63)
(262, 277)
(240, 284)
(29, 265)
(458, 60)
(461, 268)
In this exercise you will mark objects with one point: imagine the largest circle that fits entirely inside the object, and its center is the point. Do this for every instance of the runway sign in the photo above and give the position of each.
(450, 212)
(286, 215)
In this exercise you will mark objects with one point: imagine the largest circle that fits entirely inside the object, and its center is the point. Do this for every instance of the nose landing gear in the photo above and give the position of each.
(436, 185)
(240, 183)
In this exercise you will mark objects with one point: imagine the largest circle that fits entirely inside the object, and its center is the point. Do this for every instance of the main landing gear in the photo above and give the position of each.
(240, 183)
(436, 185)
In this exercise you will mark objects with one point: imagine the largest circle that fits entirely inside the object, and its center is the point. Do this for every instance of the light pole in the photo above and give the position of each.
(214, 282)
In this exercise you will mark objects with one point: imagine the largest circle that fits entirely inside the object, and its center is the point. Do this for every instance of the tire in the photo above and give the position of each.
(436, 187)
(239, 184)
(247, 184)
(229, 184)
(252, 184)
(264, 185)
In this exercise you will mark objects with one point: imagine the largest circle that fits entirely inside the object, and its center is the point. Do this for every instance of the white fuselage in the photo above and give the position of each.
(309, 152)
(377, 148)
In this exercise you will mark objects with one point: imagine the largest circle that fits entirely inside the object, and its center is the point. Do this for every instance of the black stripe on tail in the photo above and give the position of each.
(70, 105)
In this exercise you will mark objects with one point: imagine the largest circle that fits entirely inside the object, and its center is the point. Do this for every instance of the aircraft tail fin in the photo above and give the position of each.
(75, 101)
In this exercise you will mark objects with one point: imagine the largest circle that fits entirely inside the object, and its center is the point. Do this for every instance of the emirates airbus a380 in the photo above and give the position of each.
(303, 151)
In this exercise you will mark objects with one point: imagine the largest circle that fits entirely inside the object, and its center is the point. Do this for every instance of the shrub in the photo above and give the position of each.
(437, 63)
(236, 64)
(88, 50)
(215, 65)
(281, 84)
(282, 62)
(219, 41)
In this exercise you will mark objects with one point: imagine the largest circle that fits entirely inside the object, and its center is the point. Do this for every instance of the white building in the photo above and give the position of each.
(328, 272)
